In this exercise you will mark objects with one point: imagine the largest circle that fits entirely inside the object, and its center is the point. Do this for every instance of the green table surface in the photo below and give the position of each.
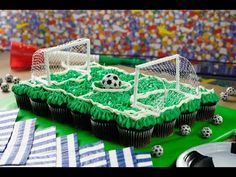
(173, 145)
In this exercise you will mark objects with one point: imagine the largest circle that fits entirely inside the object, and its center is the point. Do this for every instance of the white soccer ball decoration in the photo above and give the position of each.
(157, 150)
(5, 87)
(230, 91)
(1, 80)
(111, 81)
(185, 130)
(8, 78)
(224, 96)
(217, 119)
(16, 80)
(206, 132)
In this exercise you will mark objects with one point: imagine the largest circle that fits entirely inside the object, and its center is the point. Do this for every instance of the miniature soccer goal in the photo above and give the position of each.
(175, 72)
(72, 55)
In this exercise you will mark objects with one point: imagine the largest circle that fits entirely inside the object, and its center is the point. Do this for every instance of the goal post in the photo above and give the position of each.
(71, 55)
(175, 70)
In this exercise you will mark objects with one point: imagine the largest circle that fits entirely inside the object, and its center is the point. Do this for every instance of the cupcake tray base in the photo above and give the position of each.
(173, 145)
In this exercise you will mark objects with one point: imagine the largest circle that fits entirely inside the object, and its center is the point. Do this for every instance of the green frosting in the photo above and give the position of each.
(38, 93)
(58, 98)
(62, 77)
(118, 101)
(148, 121)
(149, 84)
(102, 114)
(20, 89)
(190, 106)
(209, 98)
(80, 106)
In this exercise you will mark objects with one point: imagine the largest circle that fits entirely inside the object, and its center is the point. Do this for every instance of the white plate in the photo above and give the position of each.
(220, 153)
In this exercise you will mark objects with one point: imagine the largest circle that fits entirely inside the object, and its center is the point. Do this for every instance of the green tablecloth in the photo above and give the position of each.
(173, 145)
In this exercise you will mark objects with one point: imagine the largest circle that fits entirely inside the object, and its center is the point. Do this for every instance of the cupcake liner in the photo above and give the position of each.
(106, 130)
(206, 112)
(136, 138)
(23, 101)
(186, 118)
(40, 107)
(60, 113)
(81, 121)
(165, 129)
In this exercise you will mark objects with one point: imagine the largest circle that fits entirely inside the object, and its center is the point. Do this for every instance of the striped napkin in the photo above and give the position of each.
(144, 160)
(67, 151)
(20, 144)
(122, 158)
(7, 122)
(43, 152)
(93, 155)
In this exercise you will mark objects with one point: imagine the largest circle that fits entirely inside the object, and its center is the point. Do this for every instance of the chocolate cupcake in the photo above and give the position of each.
(80, 111)
(166, 122)
(206, 111)
(135, 137)
(165, 129)
(106, 130)
(209, 100)
(22, 99)
(188, 113)
(57, 103)
(186, 118)
(38, 99)
(81, 120)
(103, 124)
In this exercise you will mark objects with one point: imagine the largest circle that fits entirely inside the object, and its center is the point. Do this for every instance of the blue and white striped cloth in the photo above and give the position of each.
(122, 158)
(93, 155)
(43, 152)
(67, 151)
(144, 160)
(20, 144)
(7, 122)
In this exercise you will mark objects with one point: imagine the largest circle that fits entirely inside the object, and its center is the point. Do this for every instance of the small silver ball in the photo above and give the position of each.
(157, 151)
(8, 77)
(16, 80)
(5, 87)
(206, 132)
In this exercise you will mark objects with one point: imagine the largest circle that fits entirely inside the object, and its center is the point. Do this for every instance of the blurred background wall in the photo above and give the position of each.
(195, 34)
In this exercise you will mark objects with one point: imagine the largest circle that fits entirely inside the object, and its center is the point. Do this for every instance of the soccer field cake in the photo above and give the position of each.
(69, 86)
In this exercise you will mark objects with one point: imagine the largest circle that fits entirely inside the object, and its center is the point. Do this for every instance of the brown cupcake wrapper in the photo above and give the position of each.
(164, 129)
(205, 112)
(40, 107)
(81, 121)
(186, 118)
(106, 130)
(60, 114)
(23, 101)
(136, 138)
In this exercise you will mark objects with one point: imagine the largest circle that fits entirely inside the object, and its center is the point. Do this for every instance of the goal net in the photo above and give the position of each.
(72, 55)
(164, 82)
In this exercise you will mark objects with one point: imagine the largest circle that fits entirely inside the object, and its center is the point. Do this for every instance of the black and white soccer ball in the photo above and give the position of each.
(157, 150)
(16, 80)
(1, 80)
(206, 132)
(8, 77)
(111, 81)
(185, 130)
(224, 96)
(217, 119)
(230, 91)
(5, 87)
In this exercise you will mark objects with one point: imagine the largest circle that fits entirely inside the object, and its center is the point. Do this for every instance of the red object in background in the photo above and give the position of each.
(21, 55)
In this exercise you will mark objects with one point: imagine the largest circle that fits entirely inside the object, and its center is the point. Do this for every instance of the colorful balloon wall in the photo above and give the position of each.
(196, 34)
